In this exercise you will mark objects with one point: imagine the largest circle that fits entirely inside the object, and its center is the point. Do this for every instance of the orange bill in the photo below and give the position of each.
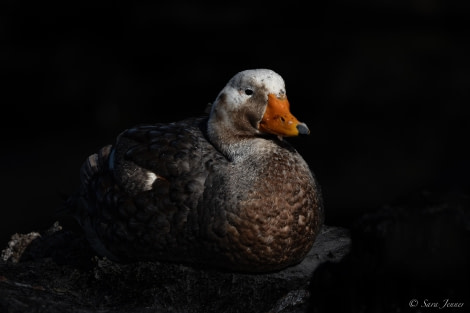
(279, 121)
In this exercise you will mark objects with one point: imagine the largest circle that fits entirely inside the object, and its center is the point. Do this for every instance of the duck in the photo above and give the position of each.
(222, 190)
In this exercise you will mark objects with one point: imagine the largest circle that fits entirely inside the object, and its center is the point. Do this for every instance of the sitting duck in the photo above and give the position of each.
(223, 190)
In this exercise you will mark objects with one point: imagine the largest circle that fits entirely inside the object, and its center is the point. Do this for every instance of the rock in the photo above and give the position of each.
(404, 257)
(17, 246)
(52, 276)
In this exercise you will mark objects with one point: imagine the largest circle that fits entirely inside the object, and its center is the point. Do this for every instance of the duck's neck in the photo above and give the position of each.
(235, 149)
(233, 143)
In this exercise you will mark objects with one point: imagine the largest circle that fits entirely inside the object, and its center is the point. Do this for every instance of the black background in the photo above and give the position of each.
(383, 86)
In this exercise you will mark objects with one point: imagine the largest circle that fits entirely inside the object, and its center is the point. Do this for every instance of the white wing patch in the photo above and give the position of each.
(151, 177)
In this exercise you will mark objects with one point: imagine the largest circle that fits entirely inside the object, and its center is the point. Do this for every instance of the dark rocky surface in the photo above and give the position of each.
(56, 273)
(408, 257)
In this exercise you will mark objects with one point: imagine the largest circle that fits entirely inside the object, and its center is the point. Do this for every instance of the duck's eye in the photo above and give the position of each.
(248, 92)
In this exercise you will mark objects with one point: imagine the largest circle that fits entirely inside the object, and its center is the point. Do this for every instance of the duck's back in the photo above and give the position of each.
(139, 197)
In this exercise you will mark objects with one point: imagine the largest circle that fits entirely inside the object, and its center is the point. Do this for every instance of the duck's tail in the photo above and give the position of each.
(93, 165)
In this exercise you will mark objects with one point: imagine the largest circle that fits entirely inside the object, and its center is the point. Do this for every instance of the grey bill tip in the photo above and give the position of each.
(303, 129)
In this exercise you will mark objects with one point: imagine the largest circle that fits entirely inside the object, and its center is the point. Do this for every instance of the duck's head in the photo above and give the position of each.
(254, 102)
